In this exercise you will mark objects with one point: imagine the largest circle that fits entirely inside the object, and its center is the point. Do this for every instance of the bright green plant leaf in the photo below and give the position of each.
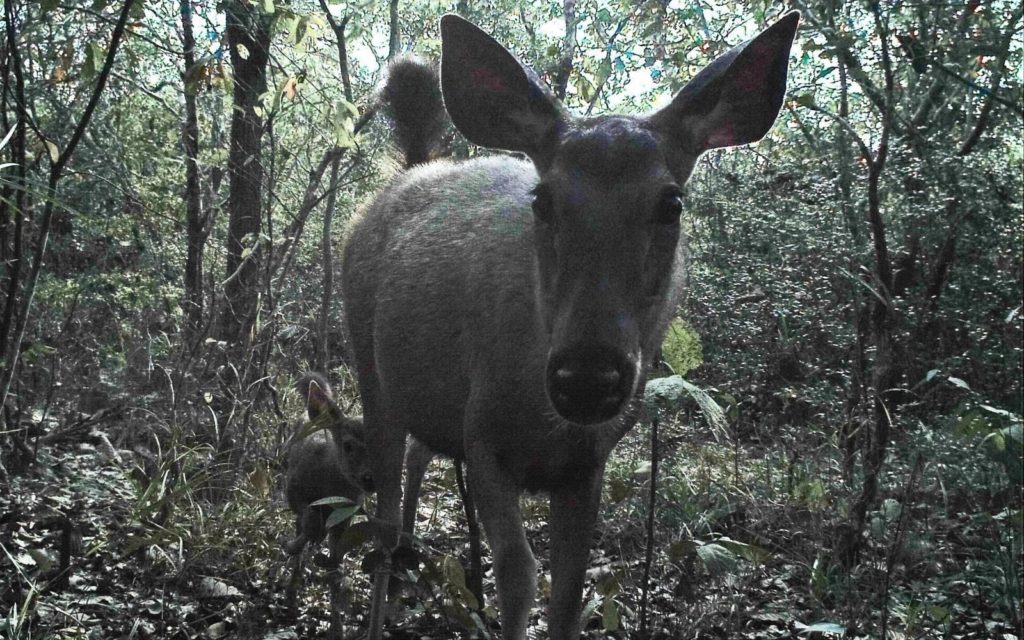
(610, 615)
(340, 514)
(717, 558)
(827, 628)
(959, 383)
(750, 552)
(669, 394)
(681, 348)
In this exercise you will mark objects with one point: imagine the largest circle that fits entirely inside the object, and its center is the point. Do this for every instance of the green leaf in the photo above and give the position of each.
(453, 572)
(45, 6)
(642, 469)
(717, 558)
(749, 552)
(1013, 417)
(827, 628)
(344, 128)
(137, 11)
(356, 535)
(891, 508)
(805, 100)
(94, 55)
(959, 383)
(610, 615)
(342, 105)
(938, 614)
(618, 489)
(973, 422)
(609, 586)
(1006, 446)
(679, 550)
(670, 392)
(52, 149)
(340, 515)
(681, 347)
(331, 501)
(589, 609)
(7, 138)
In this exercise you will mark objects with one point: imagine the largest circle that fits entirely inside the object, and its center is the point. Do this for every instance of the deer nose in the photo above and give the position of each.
(589, 383)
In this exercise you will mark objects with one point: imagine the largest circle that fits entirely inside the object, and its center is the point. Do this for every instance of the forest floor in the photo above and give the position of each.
(742, 549)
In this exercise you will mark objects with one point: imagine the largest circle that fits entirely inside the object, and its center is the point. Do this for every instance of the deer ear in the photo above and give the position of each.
(735, 99)
(319, 401)
(493, 99)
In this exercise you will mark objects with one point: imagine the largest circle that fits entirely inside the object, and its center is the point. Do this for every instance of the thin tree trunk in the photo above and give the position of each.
(564, 68)
(327, 248)
(883, 374)
(395, 41)
(12, 248)
(195, 224)
(327, 258)
(248, 34)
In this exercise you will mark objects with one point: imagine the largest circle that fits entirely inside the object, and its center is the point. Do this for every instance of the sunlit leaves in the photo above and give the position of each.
(94, 57)
(681, 348)
(343, 123)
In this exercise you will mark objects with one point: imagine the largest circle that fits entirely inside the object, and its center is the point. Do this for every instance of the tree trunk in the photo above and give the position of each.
(883, 374)
(327, 258)
(195, 238)
(248, 33)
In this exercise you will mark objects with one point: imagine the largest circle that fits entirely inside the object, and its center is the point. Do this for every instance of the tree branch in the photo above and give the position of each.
(608, 59)
(993, 88)
(563, 68)
(394, 41)
(339, 35)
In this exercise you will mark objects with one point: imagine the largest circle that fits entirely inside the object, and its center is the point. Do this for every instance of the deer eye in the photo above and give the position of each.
(670, 207)
(543, 204)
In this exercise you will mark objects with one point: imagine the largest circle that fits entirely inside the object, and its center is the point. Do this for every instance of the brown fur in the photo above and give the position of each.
(505, 312)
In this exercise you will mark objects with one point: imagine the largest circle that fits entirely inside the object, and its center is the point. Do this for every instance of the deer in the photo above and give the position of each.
(331, 462)
(504, 310)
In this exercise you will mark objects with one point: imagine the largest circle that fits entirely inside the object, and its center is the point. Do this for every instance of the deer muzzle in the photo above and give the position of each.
(589, 383)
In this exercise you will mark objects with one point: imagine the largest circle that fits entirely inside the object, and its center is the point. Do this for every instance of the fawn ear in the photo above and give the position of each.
(493, 99)
(319, 401)
(735, 99)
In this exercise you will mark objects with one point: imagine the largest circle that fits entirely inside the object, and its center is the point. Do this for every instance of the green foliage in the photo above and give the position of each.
(669, 394)
(681, 348)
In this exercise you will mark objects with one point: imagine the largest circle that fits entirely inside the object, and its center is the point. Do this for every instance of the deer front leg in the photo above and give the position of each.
(573, 513)
(389, 447)
(417, 459)
(515, 569)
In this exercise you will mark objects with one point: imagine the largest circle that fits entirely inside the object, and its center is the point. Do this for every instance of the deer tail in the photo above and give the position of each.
(412, 98)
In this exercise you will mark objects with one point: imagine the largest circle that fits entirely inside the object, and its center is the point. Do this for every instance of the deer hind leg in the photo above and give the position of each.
(573, 514)
(417, 459)
(515, 569)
